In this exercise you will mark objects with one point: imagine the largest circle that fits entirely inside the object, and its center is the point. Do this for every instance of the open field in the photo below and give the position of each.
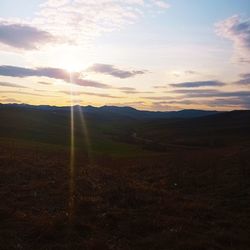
(179, 184)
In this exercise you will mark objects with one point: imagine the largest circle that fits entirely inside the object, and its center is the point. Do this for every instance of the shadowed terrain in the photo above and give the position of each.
(145, 183)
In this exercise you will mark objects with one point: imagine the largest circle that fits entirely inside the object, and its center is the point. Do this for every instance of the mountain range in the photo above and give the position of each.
(128, 112)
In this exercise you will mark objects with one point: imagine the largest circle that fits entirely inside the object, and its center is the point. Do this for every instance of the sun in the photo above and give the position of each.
(71, 59)
(72, 65)
(68, 58)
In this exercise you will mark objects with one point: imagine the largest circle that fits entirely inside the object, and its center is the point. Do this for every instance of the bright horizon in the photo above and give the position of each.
(147, 54)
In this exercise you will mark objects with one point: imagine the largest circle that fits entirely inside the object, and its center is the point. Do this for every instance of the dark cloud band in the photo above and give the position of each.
(108, 69)
(55, 73)
(12, 85)
(23, 36)
(197, 84)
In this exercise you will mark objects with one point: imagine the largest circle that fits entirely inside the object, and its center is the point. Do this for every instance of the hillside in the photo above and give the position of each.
(183, 183)
(110, 126)
(128, 112)
(223, 129)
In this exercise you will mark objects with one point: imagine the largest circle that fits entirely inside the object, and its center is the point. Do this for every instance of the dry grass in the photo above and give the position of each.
(185, 200)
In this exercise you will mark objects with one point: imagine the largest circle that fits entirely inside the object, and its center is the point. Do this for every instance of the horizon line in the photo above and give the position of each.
(77, 105)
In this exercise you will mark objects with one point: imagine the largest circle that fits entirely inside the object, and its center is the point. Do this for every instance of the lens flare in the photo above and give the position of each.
(72, 156)
(72, 165)
(86, 135)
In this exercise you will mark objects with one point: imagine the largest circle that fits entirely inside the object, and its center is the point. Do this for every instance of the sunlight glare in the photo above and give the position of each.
(72, 165)
(72, 158)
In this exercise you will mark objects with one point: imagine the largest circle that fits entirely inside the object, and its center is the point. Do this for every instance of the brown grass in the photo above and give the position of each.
(185, 200)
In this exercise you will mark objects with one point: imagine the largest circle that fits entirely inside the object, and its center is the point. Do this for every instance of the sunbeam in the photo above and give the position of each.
(72, 156)
(86, 135)
(72, 166)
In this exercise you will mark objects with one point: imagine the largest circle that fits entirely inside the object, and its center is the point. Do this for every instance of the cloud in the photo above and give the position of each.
(74, 22)
(23, 36)
(238, 31)
(199, 93)
(210, 98)
(245, 79)
(160, 97)
(137, 92)
(161, 4)
(82, 20)
(245, 75)
(89, 83)
(232, 102)
(129, 90)
(160, 86)
(12, 85)
(54, 73)
(177, 101)
(243, 102)
(45, 83)
(56, 3)
(88, 93)
(197, 84)
(126, 89)
(191, 72)
(25, 93)
(126, 104)
(9, 100)
(108, 69)
(162, 106)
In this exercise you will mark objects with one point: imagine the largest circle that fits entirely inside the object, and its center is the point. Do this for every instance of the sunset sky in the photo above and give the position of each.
(148, 54)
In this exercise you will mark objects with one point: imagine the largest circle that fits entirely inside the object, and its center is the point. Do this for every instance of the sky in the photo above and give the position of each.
(147, 54)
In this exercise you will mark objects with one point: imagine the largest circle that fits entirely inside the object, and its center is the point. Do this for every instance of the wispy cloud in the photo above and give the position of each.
(158, 98)
(74, 22)
(198, 84)
(177, 101)
(192, 72)
(137, 92)
(125, 104)
(232, 102)
(45, 83)
(9, 100)
(23, 36)
(126, 89)
(55, 73)
(160, 86)
(129, 90)
(12, 85)
(25, 93)
(163, 106)
(194, 94)
(114, 71)
(238, 31)
(82, 20)
(243, 102)
(77, 93)
(162, 4)
(245, 79)
(199, 93)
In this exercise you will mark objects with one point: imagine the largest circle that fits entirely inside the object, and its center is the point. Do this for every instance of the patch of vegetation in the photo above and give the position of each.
(185, 196)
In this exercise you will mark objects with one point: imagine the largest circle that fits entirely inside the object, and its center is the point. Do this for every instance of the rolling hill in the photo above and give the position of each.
(147, 184)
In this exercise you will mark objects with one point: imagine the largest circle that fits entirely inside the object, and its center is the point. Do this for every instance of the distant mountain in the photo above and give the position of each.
(141, 114)
(228, 128)
(110, 123)
(128, 112)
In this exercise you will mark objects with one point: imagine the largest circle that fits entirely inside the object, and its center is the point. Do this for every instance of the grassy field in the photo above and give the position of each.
(181, 197)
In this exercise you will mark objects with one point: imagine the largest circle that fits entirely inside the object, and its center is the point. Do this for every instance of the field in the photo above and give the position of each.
(154, 184)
